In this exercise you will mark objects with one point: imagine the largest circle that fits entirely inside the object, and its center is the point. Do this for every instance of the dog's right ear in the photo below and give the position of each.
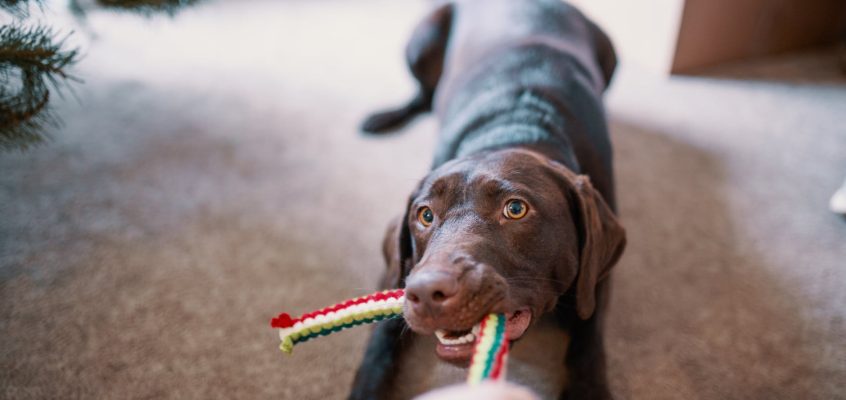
(396, 248)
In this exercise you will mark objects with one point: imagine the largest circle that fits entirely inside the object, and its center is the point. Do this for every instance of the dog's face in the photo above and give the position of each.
(505, 232)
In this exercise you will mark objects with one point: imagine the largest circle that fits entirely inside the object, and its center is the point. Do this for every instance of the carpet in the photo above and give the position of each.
(209, 174)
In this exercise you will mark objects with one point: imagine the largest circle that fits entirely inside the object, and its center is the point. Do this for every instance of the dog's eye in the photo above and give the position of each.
(425, 216)
(515, 209)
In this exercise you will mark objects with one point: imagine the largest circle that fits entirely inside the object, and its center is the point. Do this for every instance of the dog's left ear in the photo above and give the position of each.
(602, 241)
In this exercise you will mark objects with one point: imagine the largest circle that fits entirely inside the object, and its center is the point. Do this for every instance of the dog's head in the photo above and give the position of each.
(507, 231)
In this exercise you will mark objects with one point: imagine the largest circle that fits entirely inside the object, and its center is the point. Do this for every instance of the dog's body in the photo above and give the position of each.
(517, 86)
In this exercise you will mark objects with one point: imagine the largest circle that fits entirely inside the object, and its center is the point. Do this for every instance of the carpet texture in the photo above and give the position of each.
(200, 185)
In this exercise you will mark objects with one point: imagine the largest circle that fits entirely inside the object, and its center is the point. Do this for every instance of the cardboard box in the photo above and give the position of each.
(717, 31)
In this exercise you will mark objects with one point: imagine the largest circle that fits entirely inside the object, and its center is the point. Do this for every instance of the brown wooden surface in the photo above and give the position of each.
(716, 31)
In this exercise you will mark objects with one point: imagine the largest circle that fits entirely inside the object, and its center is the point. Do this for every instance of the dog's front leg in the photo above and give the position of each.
(585, 360)
(375, 376)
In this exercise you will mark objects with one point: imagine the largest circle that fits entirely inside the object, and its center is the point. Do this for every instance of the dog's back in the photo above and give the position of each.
(484, 30)
(526, 71)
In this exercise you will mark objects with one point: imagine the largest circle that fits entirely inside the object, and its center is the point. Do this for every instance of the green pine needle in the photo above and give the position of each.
(147, 7)
(18, 8)
(31, 62)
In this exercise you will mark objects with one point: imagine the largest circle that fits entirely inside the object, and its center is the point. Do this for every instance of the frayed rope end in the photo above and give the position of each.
(287, 345)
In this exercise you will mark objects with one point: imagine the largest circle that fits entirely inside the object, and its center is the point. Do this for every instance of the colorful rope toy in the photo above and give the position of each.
(491, 350)
(489, 356)
(361, 310)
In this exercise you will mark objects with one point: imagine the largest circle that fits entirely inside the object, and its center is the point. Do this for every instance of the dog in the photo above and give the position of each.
(517, 215)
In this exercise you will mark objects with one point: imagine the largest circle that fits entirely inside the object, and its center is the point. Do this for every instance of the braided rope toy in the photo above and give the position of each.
(491, 350)
(489, 356)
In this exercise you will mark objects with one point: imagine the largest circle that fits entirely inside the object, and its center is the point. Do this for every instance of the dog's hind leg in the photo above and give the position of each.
(605, 54)
(425, 57)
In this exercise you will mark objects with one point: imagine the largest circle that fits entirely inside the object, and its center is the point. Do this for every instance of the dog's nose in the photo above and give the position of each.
(430, 289)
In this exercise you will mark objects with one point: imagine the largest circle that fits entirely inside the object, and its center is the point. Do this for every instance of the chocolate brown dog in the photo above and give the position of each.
(516, 216)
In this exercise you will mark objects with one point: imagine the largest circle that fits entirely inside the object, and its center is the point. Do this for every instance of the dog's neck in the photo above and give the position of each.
(504, 118)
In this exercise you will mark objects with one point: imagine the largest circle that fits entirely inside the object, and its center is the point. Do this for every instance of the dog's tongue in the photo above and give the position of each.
(517, 323)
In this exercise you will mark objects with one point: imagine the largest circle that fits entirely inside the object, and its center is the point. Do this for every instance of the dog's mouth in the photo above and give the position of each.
(457, 347)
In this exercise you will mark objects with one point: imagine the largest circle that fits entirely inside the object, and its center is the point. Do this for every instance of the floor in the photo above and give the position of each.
(209, 174)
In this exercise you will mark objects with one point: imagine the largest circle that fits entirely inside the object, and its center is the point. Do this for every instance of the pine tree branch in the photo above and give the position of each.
(31, 60)
(147, 7)
(18, 8)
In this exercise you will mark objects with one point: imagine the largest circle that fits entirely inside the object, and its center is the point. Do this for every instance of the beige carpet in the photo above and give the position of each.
(200, 186)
